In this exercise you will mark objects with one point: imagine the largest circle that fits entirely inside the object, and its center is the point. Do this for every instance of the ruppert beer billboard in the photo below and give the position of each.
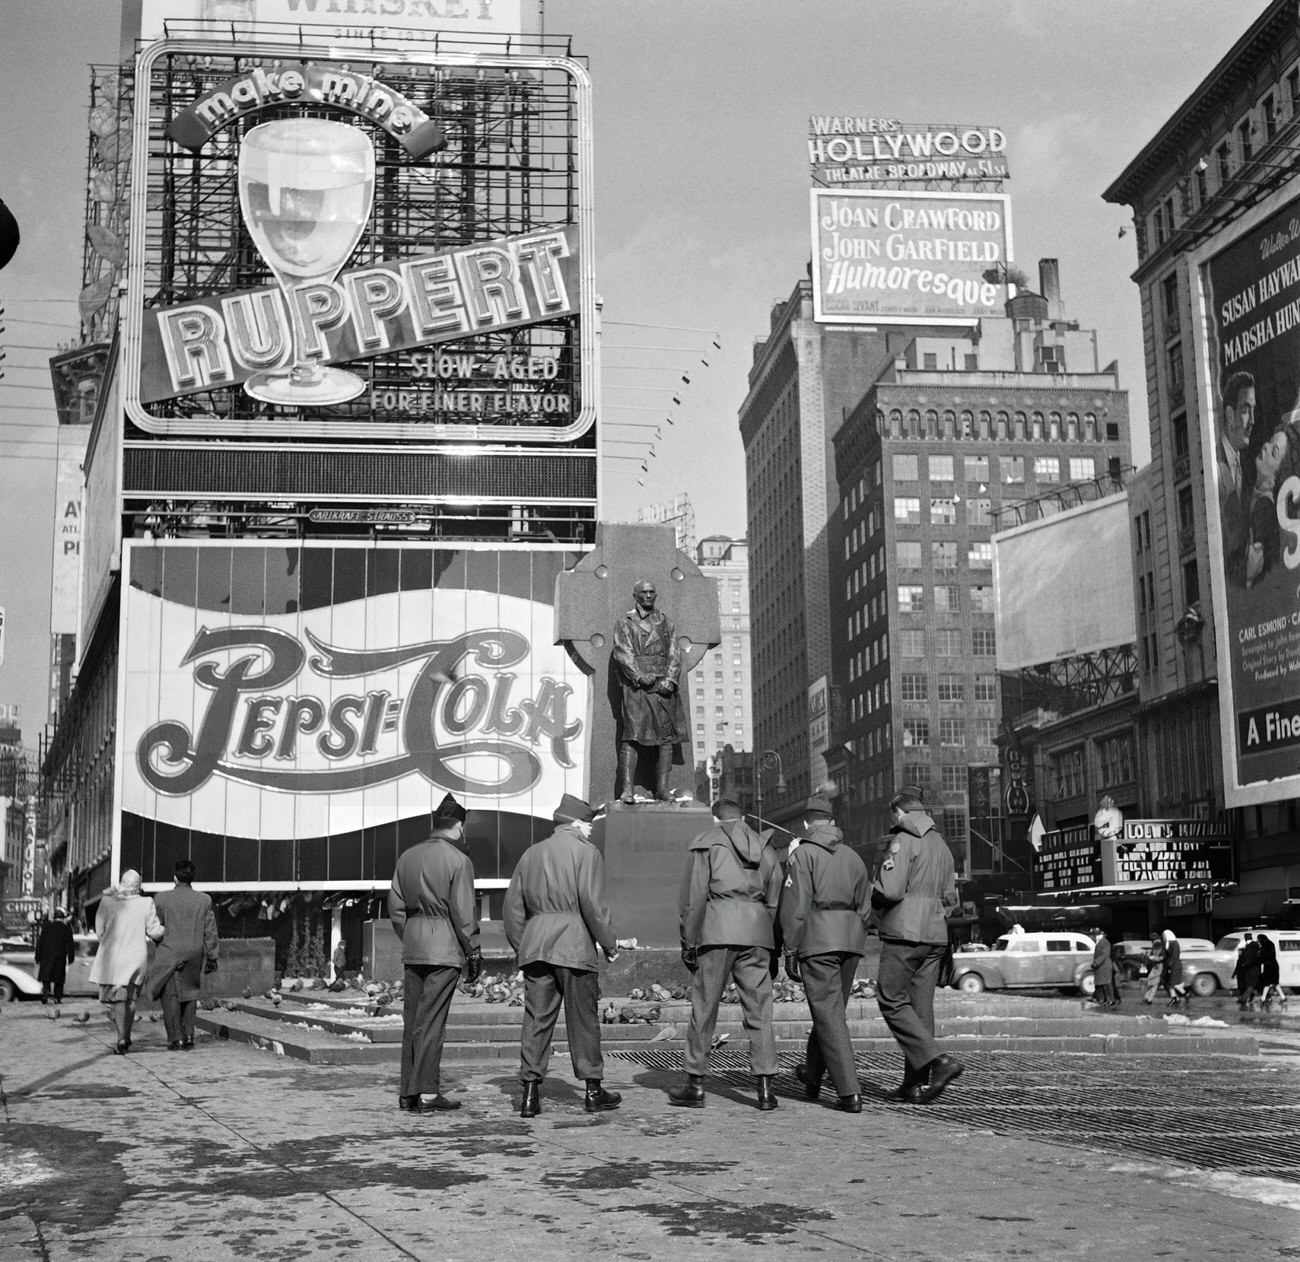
(289, 715)
(1249, 349)
(335, 241)
(903, 257)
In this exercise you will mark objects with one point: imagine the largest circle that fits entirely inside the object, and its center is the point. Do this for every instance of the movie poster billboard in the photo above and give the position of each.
(890, 257)
(290, 715)
(1251, 437)
(322, 247)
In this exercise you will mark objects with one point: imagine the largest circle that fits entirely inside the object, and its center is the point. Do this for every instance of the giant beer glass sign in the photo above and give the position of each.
(338, 243)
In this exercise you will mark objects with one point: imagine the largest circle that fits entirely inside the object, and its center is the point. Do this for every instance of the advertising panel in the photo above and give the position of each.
(844, 149)
(819, 727)
(65, 587)
(909, 257)
(1051, 598)
(290, 715)
(1068, 859)
(1147, 852)
(323, 246)
(1251, 366)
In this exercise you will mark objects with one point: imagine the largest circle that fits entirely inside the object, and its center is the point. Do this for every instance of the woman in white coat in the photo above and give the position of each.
(125, 923)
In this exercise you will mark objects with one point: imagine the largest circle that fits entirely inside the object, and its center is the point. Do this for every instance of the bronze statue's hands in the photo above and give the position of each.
(665, 687)
(646, 681)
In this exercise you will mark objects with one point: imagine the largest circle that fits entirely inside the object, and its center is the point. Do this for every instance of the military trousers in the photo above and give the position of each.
(747, 966)
(546, 987)
(905, 992)
(827, 980)
(178, 1014)
(427, 990)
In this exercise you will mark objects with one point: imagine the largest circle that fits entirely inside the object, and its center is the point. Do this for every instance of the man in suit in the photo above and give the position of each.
(1236, 424)
(914, 887)
(728, 901)
(187, 951)
(55, 949)
(555, 918)
(825, 905)
(431, 905)
(1103, 970)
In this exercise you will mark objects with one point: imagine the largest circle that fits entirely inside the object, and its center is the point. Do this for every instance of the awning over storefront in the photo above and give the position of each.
(1145, 889)
(1248, 908)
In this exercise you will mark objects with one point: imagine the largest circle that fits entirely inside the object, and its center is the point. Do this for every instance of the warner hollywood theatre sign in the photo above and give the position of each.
(440, 326)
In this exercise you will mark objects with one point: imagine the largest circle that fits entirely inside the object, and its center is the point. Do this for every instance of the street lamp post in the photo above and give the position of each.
(768, 758)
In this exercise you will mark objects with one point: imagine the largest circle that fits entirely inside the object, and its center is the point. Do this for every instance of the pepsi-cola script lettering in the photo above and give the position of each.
(250, 720)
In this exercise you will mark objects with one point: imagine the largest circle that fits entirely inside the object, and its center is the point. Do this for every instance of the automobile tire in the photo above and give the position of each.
(1204, 985)
(8, 991)
(1087, 985)
(971, 983)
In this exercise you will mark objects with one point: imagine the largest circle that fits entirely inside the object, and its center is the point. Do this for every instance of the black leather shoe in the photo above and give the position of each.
(173, 1047)
(435, 1104)
(943, 1070)
(849, 1104)
(766, 1096)
(408, 1102)
(690, 1095)
(598, 1100)
(123, 1046)
(187, 1045)
(812, 1087)
(912, 1082)
(532, 1102)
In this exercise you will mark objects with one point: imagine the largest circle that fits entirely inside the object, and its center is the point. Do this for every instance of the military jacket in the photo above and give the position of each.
(916, 883)
(431, 904)
(555, 910)
(646, 651)
(730, 889)
(826, 900)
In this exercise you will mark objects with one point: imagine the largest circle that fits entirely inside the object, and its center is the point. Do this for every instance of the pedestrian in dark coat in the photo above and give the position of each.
(1103, 970)
(914, 887)
(555, 920)
(55, 950)
(729, 895)
(1246, 971)
(1270, 975)
(431, 905)
(187, 951)
(825, 906)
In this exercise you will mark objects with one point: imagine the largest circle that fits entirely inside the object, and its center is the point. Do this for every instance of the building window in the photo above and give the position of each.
(1115, 755)
(1202, 187)
(1243, 136)
(917, 776)
(953, 778)
(907, 508)
(952, 688)
(911, 598)
(986, 731)
(986, 687)
(944, 554)
(954, 824)
(979, 556)
(911, 642)
(979, 511)
(916, 733)
(1224, 156)
(943, 512)
(983, 642)
(1293, 91)
(952, 732)
(1269, 108)
(1082, 468)
(1047, 469)
(1169, 294)
(947, 599)
(976, 468)
(1186, 510)
(1178, 428)
(907, 468)
(908, 554)
(1012, 468)
(981, 599)
(1067, 773)
(947, 642)
(941, 468)
(915, 687)
(1191, 583)
(1174, 372)
(929, 360)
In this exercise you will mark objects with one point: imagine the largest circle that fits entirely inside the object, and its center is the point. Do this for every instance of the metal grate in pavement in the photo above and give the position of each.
(1238, 1117)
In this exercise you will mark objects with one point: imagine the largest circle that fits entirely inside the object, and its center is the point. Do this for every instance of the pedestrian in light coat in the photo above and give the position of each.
(825, 905)
(729, 895)
(125, 924)
(56, 948)
(1171, 968)
(915, 885)
(187, 951)
(431, 905)
(555, 920)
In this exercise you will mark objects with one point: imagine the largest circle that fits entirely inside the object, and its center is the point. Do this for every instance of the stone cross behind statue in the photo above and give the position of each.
(591, 597)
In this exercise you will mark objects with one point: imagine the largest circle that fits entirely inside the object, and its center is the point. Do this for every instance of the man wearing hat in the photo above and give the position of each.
(55, 950)
(555, 917)
(914, 887)
(187, 951)
(728, 901)
(431, 904)
(825, 905)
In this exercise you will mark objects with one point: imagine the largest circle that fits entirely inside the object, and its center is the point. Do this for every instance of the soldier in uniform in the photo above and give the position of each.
(431, 904)
(649, 663)
(825, 905)
(916, 883)
(555, 918)
(729, 896)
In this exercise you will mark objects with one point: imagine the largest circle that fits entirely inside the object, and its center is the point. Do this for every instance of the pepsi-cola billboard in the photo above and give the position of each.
(290, 715)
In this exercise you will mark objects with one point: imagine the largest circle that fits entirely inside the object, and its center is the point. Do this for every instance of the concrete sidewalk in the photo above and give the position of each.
(231, 1152)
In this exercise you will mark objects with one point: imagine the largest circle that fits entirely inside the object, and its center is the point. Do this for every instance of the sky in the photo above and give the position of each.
(701, 176)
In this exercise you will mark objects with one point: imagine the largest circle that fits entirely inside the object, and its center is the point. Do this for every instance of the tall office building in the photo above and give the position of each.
(720, 685)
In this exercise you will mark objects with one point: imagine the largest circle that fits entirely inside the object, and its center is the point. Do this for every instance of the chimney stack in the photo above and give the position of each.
(1049, 285)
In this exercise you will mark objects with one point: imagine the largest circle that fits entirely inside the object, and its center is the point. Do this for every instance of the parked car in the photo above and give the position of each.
(22, 961)
(1024, 961)
(1221, 958)
(17, 981)
(1206, 967)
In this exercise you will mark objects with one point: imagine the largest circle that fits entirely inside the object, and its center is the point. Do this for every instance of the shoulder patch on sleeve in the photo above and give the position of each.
(895, 846)
(887, 866)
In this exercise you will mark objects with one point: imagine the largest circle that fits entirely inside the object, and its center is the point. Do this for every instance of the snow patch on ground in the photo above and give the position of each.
(1244, 1187)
